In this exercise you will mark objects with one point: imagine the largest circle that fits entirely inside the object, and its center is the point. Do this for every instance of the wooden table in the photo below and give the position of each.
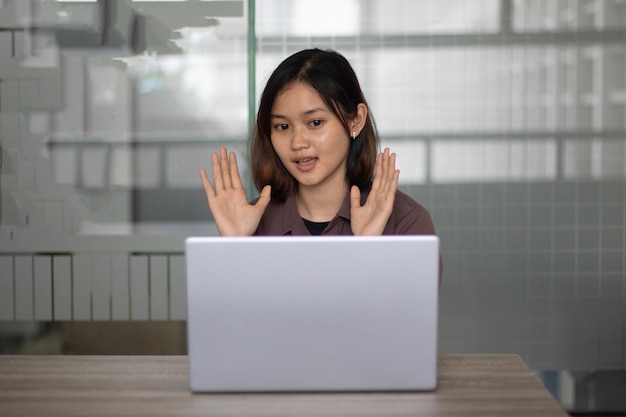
(469, 385)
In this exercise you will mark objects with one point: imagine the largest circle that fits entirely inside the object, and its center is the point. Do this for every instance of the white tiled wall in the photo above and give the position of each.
(92, 287)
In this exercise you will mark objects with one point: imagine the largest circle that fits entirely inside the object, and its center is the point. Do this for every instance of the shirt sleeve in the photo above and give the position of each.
(410, 218)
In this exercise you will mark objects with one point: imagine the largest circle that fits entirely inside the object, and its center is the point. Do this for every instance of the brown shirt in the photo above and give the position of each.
(407, 218)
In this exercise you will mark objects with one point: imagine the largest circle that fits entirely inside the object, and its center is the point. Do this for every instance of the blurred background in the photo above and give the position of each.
(508, 118)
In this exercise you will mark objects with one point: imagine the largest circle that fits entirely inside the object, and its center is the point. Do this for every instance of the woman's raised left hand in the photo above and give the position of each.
(371, 217)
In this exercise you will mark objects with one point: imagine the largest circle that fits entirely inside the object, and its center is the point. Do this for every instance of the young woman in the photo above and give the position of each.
(314, 160)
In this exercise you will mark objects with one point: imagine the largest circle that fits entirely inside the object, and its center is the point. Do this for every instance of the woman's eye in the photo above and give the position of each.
(281, 126)
(316, 123)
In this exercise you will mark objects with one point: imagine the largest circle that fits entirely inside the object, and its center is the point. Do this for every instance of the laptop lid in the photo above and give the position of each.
(313, 313)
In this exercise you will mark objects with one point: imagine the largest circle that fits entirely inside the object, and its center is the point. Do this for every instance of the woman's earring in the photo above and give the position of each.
(353, 135)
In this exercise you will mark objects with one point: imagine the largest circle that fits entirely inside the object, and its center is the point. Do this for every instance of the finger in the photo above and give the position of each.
(385, 163)
(225, 168)
(391, 164)
(355, 197)
(383, 166)
(218, 178)
(390, 171)
(396, 179)
(208, 188)
(235, 178)
(392, 184)
(264, 198)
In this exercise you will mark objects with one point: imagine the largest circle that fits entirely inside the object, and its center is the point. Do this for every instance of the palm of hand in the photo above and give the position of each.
(233, 214)
(372, 217)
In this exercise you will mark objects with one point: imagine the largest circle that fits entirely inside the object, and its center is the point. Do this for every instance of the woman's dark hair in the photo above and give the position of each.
(331, 75)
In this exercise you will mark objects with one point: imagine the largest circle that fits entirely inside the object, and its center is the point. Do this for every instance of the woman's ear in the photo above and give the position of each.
(357, 124)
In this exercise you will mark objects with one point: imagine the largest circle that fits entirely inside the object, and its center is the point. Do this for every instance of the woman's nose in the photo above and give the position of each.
(299, 139)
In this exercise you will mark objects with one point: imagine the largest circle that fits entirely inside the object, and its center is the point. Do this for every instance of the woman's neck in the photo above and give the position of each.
(320, 204)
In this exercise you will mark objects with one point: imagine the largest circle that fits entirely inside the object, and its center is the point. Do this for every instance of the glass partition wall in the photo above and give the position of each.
(107, 111)
(508, 117)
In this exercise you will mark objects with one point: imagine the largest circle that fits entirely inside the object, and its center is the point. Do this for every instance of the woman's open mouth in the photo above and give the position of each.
(306, 164)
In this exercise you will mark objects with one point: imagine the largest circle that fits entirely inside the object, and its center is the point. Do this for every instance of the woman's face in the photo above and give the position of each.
(309, 139)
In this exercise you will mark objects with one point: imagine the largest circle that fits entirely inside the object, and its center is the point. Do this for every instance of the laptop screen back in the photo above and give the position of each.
(339, 313)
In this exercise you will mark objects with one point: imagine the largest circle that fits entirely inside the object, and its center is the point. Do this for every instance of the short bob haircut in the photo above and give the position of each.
(331, 75)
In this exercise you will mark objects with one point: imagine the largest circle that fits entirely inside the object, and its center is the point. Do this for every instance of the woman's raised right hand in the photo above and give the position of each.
(228, 202)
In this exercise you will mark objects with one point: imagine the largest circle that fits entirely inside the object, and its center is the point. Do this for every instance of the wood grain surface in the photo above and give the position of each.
(468, 385)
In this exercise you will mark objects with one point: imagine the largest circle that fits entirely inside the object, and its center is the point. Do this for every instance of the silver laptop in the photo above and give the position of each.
(314, 313)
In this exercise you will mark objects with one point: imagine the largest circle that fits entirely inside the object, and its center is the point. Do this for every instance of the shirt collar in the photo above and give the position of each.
(344, 210)
(292, 222)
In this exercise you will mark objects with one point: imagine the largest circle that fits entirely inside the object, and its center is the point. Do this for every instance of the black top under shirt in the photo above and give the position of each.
(315, 228)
